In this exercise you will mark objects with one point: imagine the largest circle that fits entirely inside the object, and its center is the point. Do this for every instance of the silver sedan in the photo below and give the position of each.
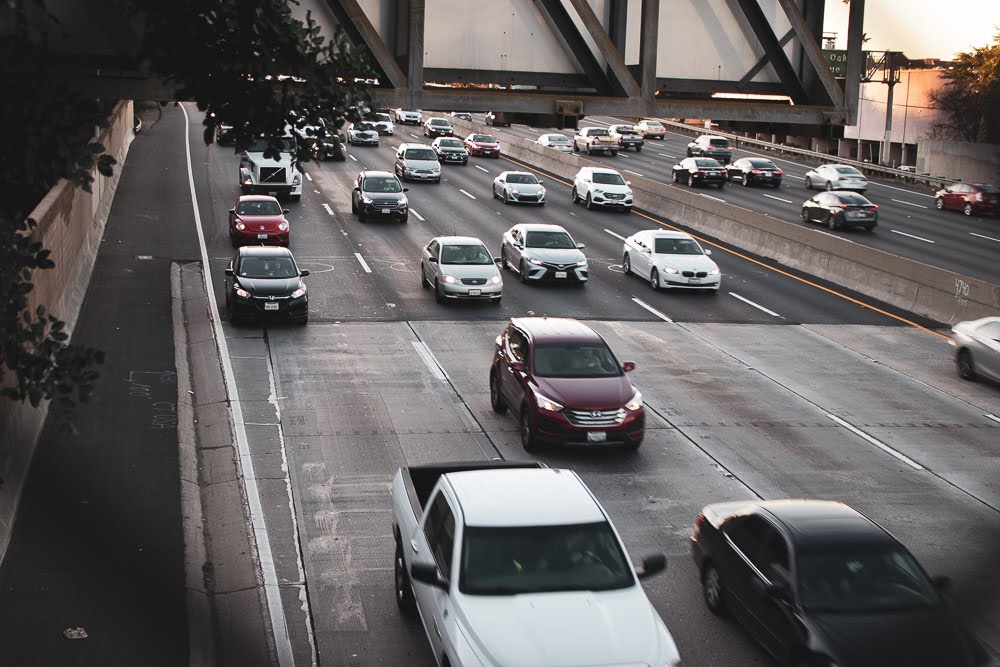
(460, 267)
(836, 177)
(519, 187)
(976, 348)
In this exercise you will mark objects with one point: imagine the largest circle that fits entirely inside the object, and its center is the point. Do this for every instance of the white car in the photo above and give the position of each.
(836, 177)
(670, 260)
(976, 348)
(560, 142)
(408, 117)
(597, 186)
(650, 129)
(382, 122)
(543, 252)
(362, 133)
(519, 187)
(460, 267)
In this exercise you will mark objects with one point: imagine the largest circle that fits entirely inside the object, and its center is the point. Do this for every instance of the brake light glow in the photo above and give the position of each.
(755, 171)
(699, 522)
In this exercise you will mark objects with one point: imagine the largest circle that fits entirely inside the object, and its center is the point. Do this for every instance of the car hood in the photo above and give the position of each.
(613, 189)
(470, 270)
(387, 197)
(917, 637)
(572, 628)
(261, 222)
(526, 188)
(684, 262)
(269, 286)
(410, 163)
(588, 393)
(452, 149)
(555, 255)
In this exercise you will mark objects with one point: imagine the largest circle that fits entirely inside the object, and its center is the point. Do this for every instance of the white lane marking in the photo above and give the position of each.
(989, 238)
(787, 201)
(919, 238)
(275, 608)
(417, 215)
(634, 172)
(412, 135)
(711, 197)
(993, 417)
(909, 203)
(353, 158)
(486, 171)
(622, 153)
(425, 355)
(308, 177)
(328, 209)
(672, 157)
(651, 309)
(615, 234)
(364, 264)
(881, 445)
(470, 196)
(755, 305)
(801, 178)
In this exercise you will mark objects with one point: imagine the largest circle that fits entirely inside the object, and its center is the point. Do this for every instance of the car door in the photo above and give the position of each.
(436, 543)
(429, 268)
(734, 170)
(499, 185)
(772, 612)
(814, 207)
(583, 182)
(989, 362)
(642, 257)
(513, 375)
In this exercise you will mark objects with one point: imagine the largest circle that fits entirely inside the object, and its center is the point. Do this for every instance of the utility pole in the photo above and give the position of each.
(890, 77)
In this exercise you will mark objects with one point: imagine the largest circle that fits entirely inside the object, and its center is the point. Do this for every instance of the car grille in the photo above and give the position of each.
(473, 281)
(527, 197)
(614, 196)
(272, 174)
(387, 204)
(595, 417)
(558, 267)
(694, 274)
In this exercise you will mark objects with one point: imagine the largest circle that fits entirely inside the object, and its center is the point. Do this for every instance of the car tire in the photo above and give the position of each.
(576, 149)
(522, 272)
(676, 180)
(404, 589)
(745, 181)
(869, 228)
(831, 221)
(503, 259)
(633, 446)
(689, 153)
(423, 279)
(712, 589)
(405, 219)
(496, 301)
(805, 214)
(722, 185)
(967, 209)
(496, 398)
(690, 181)
(809, 183)
(528, 438)
(638, 149)
(506, 197)
(354, 206)
(829, 186)
(966, 366)
(437, 292)
(626, 265)
(654, 279)
(590, 202)
(465, 163)
(939, 203)
(614, 153)
(362, 217)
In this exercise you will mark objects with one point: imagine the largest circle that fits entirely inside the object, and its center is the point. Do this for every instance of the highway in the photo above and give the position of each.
(779, 386)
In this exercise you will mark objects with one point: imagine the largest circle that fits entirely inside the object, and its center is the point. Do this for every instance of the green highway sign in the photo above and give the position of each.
(837, 59)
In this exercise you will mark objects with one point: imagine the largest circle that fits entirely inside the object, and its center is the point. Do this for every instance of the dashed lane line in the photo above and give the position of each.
(881, 445)
(988, 238)
(909, 203)
(787, 201)
(485, 171)
(417, 215)
(615, 234)
(755, 305)
(634, 172)
(648, 307)
(364, 264)
(701, 194)
(919, 238)
(467, 194)
(352, 157)
(328, 209)
(308, 177)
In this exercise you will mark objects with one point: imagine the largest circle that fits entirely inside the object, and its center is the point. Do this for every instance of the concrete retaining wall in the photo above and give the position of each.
(936, 293)
(972, 163)
(70, 224)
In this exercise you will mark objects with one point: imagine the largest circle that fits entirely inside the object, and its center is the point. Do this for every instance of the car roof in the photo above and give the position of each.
(458, 240)
(244, 198)
(446, 121)
(667, 234)
(556, 330)
(524, 497)
(541, 227)
(522, 173)
(378, 173)
(264, 251)
(602, 170)
(413, 144)
(825, 523)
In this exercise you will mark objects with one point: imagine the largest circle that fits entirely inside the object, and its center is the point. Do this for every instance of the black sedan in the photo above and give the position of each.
(264, 282)
(700, 171)
(817, 583)
(841, 208)
(754, 171)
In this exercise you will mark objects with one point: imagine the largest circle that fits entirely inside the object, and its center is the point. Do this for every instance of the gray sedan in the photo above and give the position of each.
(976, 348)
(460, 267)
(836, 177)
(519, 187)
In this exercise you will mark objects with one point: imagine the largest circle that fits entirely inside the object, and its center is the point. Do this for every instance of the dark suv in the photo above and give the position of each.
(708, 146)
(565, 385)
(379, 194)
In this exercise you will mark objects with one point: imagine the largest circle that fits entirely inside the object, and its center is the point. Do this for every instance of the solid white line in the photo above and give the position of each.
(884, 447)
(328, 209)
(470, 196)
(615, 234)
(276, 610)
(993, 417)
(634, 172)
(622, 153)
(711, 197)
(755, 305)
(787, 201)
(364, 264)
(308, 177)
(651, 309)
(909, 203)
(894, 231)
(486, 171)
(417, 215)
(428, 359)
(989, 238)
(353, 158)
(672, 157)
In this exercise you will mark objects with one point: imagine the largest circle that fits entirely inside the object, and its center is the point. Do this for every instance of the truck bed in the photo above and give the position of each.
(419, 481)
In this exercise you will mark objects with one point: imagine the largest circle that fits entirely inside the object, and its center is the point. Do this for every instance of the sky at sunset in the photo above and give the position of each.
(920, 28)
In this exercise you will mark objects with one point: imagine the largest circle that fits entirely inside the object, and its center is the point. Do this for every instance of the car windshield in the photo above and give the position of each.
(465, 254)
(260, 145)
(381, 118)
(678, 247)
(267, 267)
(848, 171)
(556, 240)
(653, 125)
(556, 139)
(989, 189)
(363, 127)
(259, 208)
(542, 559)
(381, 184)
(451, 143)
(420, 154)
(439, 121)
(522, 178)
(575, 360)
(880, 578)
(605, 178)
(484, 138)
(707, 164)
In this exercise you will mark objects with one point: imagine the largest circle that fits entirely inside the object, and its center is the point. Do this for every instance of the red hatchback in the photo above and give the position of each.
(482, 144)
(969, 198)
(565, 385)
(258, 220)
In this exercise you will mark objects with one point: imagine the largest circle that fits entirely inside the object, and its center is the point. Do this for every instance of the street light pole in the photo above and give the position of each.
(890, 77)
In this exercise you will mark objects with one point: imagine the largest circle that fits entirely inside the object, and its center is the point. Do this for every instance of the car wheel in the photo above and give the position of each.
(232, 239)
(967, 209)
(809, 183)
(966, 367)
(676, 180)
(614, 153)
(831, 221)
(496, 301)
(404, 590)
(362, 217)
(506, 197)
(689, 153)
(503, 259)
(405, 219)
(690, 181)
(496, 398)
(590, 202)
(712, 590)
(745, 181)
(528, 438)
(354, 206)
(638, 149)
(522, 272)
(829, 186)
(437, 292)
(805, 214)
(654, 279)
(423, 279)
(627, 265)
(576, 199)
(722, 184)
(576, 149)
(939, 203)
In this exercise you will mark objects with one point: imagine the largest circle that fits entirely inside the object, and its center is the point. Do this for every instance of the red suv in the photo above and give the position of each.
(565, 385)
(969, 198)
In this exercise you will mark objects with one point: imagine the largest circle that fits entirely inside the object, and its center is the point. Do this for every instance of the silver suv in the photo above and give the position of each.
(417, 162)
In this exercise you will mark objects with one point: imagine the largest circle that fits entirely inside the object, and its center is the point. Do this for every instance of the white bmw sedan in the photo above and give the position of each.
(671, 260)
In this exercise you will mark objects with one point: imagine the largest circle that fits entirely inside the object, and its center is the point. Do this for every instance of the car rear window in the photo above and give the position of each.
(597, 132)
(557, 139)
(655, 125)
(849, 171)
(852, 199)
(762, 164)
(708, 164)
(720, 143)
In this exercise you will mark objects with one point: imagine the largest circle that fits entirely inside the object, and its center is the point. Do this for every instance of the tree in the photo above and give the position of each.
(970, 98)
(247, 63)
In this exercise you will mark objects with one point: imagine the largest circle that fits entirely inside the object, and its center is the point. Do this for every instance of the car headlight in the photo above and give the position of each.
(546, 403)
(495, 280)
(598, 192)
(296, 179)
(635, 402)
(240, 292)
(514, 191)
(628, 193)
(582, 262)
(449, 279)
(714, 272)
(534, 261)
(541, 192)
(670, 269)
(366, 200)
(283, 226)
(299, 292)
(247, 181)
(240, 226)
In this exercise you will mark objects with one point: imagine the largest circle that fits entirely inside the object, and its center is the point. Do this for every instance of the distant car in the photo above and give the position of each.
(362, 133)
(710, 146)
(265, 283)
(670, 259)
(408, 117)
(382, 122)
(816, 582)
(223, 134)
(482, 144)
(258, 219)
(497, 119)
(321, 141)
(519, 187)
(836, 177)
(566, 387)
(626, 136)
(976, 348)
(543, 252)
(379, 194)
(560, 142)
(464, 115)
(650, 129)
(908, 168)
(969, 198)
(699, 171)
(438, 127)
(841, 209)
(597, 186)
(450, 149)
(417, 162)
(754, 171)
(460, 267)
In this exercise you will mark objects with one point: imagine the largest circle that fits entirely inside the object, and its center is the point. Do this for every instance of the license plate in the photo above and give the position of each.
(262, 236)
(273, 194)
(857, 214)
(271, 305)
(597, 436)
(475, 292)
(560, 274)
(385, 211)
(694, 280)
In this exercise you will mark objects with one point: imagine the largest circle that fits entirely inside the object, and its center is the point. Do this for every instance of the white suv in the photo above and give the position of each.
(408, 117)
(602, 187)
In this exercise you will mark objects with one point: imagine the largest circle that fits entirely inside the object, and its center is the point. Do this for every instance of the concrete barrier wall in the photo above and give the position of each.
(939, 294)
(972, 163)
(70, 224)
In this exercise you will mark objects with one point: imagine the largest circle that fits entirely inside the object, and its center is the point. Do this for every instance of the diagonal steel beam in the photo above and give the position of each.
(779, 61)
(560, 20)
(360, 29)
(649, 35)
(762, 63)
(808, 41)
(623, 78)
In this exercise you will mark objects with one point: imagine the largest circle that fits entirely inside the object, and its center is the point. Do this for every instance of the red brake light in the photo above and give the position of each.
(778, 172)
(701, 171)
(874, 206)
(844, 206)
(699, 522)
(755, 171)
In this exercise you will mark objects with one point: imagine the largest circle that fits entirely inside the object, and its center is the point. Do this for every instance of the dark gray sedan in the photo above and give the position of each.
(841, 209)
(976, 348)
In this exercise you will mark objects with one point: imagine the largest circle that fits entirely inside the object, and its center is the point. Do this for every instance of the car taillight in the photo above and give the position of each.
(874, 207)
(699, 522)
(844, 206)
(778, 172)
(979, 196)
(700, 171)
(755, 171)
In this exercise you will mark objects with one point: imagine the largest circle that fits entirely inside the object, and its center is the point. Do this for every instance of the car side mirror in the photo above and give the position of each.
(501, 181)
(651, 564)
(941, 583)
(628, 366)
(497, 260)
(648, 251)
(285, 211)
(304, 272)
(541, 182)
(708, 251)
(232, 210)
(355, 188)
(580, 246)
(406, 189)
(230, 272)
(427, 573)
(628, 182)
(517, 244)
(432, 259)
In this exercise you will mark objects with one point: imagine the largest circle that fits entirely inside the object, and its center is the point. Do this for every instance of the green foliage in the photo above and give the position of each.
(970, 98)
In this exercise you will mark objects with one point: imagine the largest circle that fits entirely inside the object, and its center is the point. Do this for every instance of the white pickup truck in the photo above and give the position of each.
(276, 176)
(517, 564)
(595, 140)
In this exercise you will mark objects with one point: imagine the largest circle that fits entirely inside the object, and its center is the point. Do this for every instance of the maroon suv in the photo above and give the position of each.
(969, 198)
(565, 385)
